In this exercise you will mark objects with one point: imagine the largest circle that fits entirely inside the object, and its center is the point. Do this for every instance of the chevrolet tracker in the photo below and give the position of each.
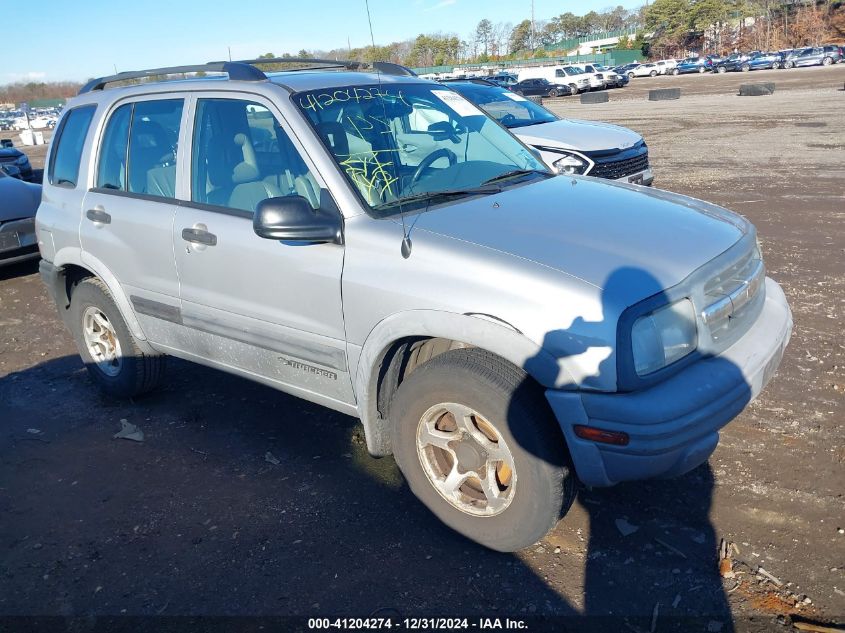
(377, 244)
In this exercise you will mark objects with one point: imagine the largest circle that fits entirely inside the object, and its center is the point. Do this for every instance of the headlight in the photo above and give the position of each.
(664, 336)
(22, 160)
(572, 164)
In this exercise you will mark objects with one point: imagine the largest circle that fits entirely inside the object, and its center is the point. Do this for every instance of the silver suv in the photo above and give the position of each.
(375, 243)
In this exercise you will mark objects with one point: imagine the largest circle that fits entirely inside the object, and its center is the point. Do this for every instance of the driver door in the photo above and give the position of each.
(268, 308)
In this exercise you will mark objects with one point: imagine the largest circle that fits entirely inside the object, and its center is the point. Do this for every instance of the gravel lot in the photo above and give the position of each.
(194, 521)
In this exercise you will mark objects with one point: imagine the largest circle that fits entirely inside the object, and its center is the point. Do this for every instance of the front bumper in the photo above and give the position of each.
(674, 426)
(17, 241)
(644, 177)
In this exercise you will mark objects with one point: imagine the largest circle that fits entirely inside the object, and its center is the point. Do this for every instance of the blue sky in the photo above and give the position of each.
(77, 40)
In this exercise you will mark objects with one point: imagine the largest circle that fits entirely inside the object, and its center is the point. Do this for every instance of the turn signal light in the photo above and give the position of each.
(600, 435)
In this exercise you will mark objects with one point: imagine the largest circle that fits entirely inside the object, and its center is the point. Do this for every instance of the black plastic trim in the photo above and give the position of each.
(156, 309)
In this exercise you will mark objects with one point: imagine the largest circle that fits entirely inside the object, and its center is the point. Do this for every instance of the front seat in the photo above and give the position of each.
(250, 189)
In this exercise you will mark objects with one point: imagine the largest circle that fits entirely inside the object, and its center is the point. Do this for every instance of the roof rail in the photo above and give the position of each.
(245, 70)
(387, 68)
(235, 70)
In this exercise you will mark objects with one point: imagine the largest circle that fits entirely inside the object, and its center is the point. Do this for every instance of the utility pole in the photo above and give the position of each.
(533, 30)
(229, 48)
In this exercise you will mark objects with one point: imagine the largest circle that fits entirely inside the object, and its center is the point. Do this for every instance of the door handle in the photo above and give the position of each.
(199, 236)
(408, 148)
(98, 215)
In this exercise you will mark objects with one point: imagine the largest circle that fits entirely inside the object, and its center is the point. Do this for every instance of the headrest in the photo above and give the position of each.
(335, 137)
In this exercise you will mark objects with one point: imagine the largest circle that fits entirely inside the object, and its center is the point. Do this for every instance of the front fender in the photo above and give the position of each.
(477, 330)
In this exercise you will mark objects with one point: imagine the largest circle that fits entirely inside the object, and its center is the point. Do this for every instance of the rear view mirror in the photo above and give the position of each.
(293, 219)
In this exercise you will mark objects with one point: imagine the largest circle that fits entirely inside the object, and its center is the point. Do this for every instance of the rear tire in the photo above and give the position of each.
(523, 458)
(827, 61)
(721, 70)
(701, 70)
(653, 73)
(745, 68)
(676, 72)
(112, 356)
(554, 93)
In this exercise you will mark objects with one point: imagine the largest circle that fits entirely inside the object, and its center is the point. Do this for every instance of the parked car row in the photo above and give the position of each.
(741, 62)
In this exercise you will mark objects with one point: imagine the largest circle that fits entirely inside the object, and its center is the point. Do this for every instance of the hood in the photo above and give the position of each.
(18, 199)
(589, 228)
(584, 136)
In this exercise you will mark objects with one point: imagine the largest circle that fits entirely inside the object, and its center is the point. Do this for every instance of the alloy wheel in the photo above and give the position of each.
(466, 459)
(101, 341)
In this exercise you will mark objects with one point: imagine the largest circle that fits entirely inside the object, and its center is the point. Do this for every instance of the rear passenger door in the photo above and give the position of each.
(127, 217)
(266, 307)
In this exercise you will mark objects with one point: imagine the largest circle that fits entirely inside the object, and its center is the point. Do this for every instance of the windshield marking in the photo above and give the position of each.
(327, 99)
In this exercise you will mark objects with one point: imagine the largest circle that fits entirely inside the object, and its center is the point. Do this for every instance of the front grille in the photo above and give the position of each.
(620, 168)
(735, 298)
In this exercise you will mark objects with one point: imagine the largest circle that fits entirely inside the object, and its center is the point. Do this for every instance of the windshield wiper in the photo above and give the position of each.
(514, 174)
(434, 195)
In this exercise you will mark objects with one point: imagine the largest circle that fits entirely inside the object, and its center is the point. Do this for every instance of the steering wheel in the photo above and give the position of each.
(426, 162)
(508, 118)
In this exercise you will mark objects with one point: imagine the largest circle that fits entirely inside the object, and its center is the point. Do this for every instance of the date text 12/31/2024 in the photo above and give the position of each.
(417, 624)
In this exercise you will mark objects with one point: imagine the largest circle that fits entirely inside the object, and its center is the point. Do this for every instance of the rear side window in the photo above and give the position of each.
(139, 148)
(70, 139)
(111, 173)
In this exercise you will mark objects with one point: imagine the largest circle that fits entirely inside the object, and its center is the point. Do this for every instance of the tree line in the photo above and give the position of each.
(722, 26)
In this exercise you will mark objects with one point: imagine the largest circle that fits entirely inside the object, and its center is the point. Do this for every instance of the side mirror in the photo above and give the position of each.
(293, 219)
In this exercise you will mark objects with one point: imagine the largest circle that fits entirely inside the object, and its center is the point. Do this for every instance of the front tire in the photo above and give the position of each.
(827, 61)
(676, 72)
(479, 446)
(653, 73)
(112, 356)
(554, 93)
(745, 68)
(701, 70)
(721, 70)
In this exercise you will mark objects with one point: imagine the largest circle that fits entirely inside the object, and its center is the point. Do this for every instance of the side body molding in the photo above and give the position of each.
(492, 335)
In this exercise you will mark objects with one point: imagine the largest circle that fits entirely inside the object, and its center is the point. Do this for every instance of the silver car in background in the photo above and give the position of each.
(568, 146)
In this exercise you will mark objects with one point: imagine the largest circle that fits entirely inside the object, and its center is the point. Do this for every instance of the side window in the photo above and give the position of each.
(241, 156)
(153, 139)
(64, 164)
(111, 170)
(139, 147)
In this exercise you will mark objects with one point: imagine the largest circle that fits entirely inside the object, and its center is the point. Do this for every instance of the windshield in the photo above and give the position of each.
(573, 71)
(419, 143)
(508, 108)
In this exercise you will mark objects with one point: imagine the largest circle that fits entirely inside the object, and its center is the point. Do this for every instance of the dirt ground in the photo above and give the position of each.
(195, 520)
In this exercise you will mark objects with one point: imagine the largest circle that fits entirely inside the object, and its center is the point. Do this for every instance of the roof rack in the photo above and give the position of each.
(235, 70)
(387, 68)
(245, 70)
